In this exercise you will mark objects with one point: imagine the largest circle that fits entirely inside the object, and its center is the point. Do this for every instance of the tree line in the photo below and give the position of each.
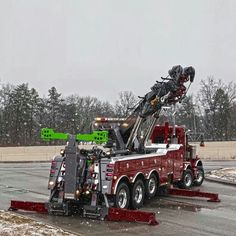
(23, 112)
(212, 112)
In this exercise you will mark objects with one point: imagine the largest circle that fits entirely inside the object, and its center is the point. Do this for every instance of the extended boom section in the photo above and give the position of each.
(168, 92)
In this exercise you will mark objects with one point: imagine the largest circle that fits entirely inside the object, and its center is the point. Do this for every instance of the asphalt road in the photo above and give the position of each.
(214, 165)
(176, 215)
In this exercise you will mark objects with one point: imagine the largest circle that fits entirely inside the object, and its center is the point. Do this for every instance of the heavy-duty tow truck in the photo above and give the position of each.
(138, 158)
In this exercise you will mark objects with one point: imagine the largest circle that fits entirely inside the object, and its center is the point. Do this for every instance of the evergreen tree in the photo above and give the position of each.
(54, 104)
(221, 114)
(217, 100)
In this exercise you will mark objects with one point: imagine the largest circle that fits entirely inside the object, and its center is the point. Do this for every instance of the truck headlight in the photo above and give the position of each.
(51, 183)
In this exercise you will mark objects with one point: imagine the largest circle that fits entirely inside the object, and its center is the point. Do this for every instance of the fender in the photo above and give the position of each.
(151, 173)
(196, 162)
(117, 183)
(187, 166)
(134, 178)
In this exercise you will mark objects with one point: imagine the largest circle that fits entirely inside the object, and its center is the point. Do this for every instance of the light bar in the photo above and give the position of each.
(109, 119)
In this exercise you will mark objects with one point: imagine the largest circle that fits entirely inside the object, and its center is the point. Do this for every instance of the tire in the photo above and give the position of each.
(151, 186)
(122, 197)
(187, 179)
(138, 194)
(200, 176)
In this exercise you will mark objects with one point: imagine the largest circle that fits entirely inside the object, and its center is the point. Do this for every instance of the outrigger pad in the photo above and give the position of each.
(114, 214)
(117, 214)
(39, 207)
(213, 197)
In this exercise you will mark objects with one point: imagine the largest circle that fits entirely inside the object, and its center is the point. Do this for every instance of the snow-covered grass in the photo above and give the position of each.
(14, 225)
(228, 174)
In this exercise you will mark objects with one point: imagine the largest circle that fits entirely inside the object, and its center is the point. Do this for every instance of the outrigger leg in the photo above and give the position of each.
(113, 214)
(213, 197)
(39, 207)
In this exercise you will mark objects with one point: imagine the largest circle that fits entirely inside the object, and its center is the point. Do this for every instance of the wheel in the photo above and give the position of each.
(200, 176)
(151, 186)
(138, 193)
(122, 197)
(187, 179)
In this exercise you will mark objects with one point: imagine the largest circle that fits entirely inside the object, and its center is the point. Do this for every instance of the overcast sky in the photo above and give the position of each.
(101, 47)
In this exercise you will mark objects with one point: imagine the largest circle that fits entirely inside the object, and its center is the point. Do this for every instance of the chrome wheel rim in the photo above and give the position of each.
(122, 198)
(199, 176)
(188, 180)
(138, 194)
(151, 185)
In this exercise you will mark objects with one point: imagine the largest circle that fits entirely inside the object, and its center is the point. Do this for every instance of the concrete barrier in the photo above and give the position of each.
(217, 150)
(211, 151)
(32, 153)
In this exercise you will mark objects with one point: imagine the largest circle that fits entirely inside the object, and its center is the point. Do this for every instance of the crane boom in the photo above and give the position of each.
(167, 92)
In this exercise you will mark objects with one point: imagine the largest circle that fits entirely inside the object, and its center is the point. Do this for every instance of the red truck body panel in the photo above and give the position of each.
(167, 162)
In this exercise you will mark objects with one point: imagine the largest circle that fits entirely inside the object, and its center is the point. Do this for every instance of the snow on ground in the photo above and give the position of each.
(12, 224)
(228, 174)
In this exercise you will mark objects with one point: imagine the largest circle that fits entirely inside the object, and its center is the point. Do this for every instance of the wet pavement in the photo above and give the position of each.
(176, 215)
(214, 165)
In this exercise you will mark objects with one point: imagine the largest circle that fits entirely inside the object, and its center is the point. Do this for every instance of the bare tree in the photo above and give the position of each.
(125, 103)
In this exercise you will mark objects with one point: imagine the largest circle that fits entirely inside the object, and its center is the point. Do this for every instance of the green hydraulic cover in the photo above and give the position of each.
(99, 137)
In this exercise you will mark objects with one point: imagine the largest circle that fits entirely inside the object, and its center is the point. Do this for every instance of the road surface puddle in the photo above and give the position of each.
(10, 189)
(173, 205)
